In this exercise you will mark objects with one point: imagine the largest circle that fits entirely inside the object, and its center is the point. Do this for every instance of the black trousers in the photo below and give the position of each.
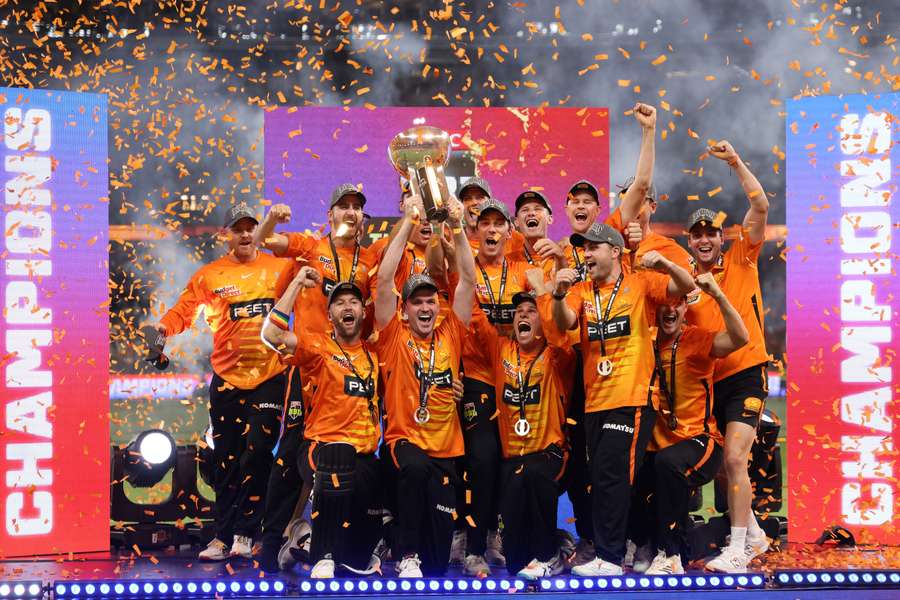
(426, 506)
(528, 503)
(577, 480)
(663, 490)
(616, 441)
(245, 425)
(283, 489)
(345, 525)
(481, 464)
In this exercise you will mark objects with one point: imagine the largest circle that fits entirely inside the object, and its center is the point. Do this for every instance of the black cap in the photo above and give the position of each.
(584, 186)
(417, 282)
(651, 193)
(703, 216)
(238, 212)
(346, 189)
(475, 182)
(520, 297)
(344, 287)
(493, 204)
(532, 196)
(599, 233)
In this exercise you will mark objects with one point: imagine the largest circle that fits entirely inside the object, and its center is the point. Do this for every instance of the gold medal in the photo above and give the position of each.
(522, 428)
(422, 415)
(605, 367)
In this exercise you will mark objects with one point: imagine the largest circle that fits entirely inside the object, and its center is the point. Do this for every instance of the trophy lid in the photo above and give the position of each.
(410, 148)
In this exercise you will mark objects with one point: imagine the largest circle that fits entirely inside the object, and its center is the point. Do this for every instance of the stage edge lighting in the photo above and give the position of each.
(866, 578)
(170, 588)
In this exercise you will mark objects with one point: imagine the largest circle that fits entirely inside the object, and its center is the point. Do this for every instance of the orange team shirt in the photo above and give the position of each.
(669, 248)
(235, 298)
(340, 409)
(738, 277)
(500, 315)
(523, 254)
(547, 388)
(693, 389)
(441, 436)
(629, 342)
(311, 306)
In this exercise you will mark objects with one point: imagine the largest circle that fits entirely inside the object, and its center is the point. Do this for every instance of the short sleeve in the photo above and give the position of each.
(307, 354)
(289, 270)
(388, 335)
(299, 245)
(484, 340)
(574, 299)
(744, 252)
(700, 340)
(614, 220)
(655, 286)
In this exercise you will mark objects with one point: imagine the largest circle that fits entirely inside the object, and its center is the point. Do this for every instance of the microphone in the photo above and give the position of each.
(155, 343)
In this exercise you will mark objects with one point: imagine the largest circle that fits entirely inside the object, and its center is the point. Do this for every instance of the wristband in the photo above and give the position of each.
(456, 230)
(560, 296)
(279, 319)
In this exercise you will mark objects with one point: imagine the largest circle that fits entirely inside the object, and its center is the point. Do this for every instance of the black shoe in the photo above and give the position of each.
(268, 558)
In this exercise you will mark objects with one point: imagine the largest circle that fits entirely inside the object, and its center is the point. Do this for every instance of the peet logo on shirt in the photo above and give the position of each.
(356, 387)
(511, 394)
(227, 291)
(499, 314)
(250, 309)
(442, 379)
(614, 328)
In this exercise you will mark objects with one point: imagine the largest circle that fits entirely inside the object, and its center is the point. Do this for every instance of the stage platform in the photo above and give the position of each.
(799, 571)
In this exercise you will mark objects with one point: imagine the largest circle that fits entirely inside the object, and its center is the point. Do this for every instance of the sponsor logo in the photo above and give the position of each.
(510, 369)
(355, 387)
(442, 379)
(445, 509)
(343, 362)
(499, 314)
(511, 394)
(263, 405)
(469, 412)
(228, 291)
(251, 309)
(295, 409)
(618, 427)
(753, 405)
(614, 328)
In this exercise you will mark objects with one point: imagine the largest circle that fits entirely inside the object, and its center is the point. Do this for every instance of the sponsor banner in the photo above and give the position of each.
(842, 327)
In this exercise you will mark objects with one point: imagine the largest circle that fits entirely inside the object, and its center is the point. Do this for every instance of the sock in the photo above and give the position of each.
(738, 537)
(754, 531)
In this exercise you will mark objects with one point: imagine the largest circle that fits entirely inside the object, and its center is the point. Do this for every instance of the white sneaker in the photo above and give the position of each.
(584, 552)
(324, 569)
(537, 569)
(643, 556)
(410, 567)
(494, 552)
(215, 550)
(665, 565)
(242, 546)
(298, 531)
(596, 568)
(731, 560)
(756, 547)
(458, 548)
(476, 566)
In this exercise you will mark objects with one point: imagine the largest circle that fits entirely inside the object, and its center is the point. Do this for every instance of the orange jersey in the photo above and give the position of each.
(405, 360)
(574, 257)
(546, 377)
(669, 248)
(628, 340)
(341, 408)
(499, 312)
(737, 275)
(523, 254)
(235, 298)
(693, 389)
(311, 306)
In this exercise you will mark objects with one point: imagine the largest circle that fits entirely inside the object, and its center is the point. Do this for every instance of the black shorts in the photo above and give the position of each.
(741, 397)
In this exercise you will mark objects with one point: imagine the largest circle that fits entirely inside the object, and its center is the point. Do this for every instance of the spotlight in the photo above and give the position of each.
(149, 457)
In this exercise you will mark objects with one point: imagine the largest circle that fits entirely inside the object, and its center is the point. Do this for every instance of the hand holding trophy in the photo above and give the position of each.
(419, 154)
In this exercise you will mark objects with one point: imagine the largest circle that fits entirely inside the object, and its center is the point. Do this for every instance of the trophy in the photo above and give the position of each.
(419, 154)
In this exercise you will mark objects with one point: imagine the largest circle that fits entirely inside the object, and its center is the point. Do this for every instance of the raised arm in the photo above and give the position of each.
(758, 214)
(680, 281)
(563, 316)
(434, 255)
(276, 334)
(735, 335)
(385, 298)
(187, 307)
(643, 174)
(464, 298)
(265, 236)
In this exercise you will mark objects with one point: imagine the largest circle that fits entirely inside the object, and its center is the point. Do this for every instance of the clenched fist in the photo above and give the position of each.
(280, 213)
(723, 150)
(645, 115)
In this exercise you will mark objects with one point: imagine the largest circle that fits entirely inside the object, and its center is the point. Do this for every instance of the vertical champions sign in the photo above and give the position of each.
(843, 329)
(54, 447)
